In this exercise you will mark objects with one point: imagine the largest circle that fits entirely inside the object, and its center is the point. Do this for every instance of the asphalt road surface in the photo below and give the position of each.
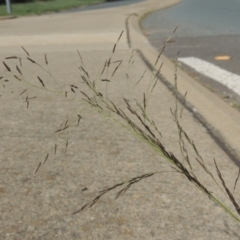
(207, 39)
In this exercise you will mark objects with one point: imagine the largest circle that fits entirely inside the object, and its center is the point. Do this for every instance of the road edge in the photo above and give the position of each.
(220, 119)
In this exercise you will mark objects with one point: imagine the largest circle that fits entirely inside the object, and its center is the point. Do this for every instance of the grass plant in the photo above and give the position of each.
(40, 7)
(134, 118)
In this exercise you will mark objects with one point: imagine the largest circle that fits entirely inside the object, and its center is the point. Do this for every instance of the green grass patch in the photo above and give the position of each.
(40, 7)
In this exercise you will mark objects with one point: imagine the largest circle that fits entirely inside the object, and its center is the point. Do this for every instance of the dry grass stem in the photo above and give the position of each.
(128, 184)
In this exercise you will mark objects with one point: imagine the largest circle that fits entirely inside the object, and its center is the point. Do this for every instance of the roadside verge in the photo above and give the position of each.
(7, 17)
(221, 120)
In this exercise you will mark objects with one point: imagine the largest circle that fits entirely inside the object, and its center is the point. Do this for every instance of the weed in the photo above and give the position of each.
(135, 119)
(40, 7)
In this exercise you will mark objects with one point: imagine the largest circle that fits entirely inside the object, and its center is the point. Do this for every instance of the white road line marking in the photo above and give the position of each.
(231, 80)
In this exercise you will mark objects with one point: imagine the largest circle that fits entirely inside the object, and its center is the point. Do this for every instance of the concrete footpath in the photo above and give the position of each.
(100, 154)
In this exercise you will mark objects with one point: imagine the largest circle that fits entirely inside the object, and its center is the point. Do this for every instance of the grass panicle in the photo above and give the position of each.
(132, 116)
(127, 183)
